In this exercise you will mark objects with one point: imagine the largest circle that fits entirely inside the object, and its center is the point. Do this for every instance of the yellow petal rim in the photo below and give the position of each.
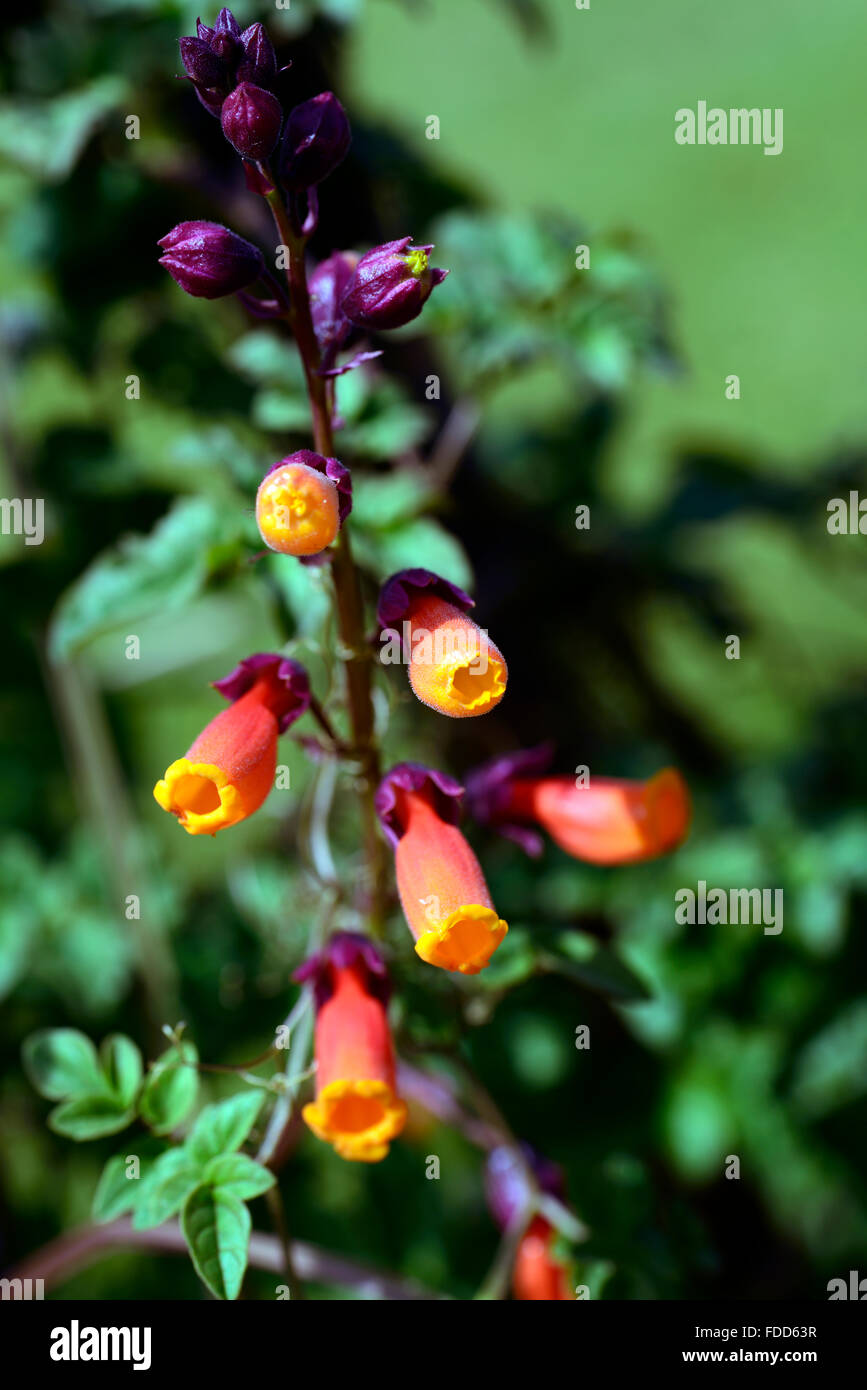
(477, 691)
(357, 1117)
(465, 941)
(187, 784)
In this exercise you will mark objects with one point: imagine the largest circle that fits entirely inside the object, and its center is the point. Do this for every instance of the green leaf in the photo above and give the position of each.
(223, 1127)
(47, 137)
(115, 1192)
(149, 574)
(420, 542)
(166, 1187)
(122, 1065)
(62, 1063)
(239, 1176)
(90, 1117)
(216, 1227)
(306, 590)
(262, 356)
(514, 300)
(170, 1089)
(274, 410)
(383, 500)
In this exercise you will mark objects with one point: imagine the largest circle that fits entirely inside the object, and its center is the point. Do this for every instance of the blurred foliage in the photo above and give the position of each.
(706, 1041)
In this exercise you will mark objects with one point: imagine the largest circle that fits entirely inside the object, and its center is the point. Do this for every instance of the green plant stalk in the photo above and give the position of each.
(347, 588)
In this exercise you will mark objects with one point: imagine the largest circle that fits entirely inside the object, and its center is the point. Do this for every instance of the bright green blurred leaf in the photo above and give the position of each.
(223, 1127)
(216, 1227)
(238, 1175)
(170, 1089)
(62, 1063)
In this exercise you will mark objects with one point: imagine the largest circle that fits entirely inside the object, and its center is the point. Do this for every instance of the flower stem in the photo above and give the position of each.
(347, 587)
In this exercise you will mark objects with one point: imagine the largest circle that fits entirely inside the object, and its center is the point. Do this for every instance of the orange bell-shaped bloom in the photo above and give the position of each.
(454, 667)
(537, 1273)
(228, 770)
(356, 1109)
(302, 502)
(442, 889)
(607, 821)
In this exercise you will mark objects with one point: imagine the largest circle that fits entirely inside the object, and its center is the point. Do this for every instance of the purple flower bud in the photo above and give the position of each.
(506, 1187)
(259, 63)
(208, 260)
(226, 23)
(203, 31)
(316, 139)
(226, 38)
(202, 66)
(390, 285)
(251, 119)
(328, 284)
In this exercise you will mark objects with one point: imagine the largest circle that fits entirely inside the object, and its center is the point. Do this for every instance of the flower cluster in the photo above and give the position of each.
(424, 621)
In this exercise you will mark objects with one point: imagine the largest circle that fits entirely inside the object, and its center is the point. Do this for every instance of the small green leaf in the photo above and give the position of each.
(47, 137)
(115, 1192)
(383, 500)
(122, 1065)
(142, 575)
(238, 1175)
(170, 1089)
(165, 1188)
(417, 542)
(90, 1117)
(62, 1063)
(223, 1127)
(216, 1227)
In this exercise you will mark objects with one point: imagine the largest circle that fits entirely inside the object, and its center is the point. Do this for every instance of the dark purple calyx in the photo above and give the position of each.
(489, 793)
(400, 591)
(345, 950)
(289, 685)
(442, 791)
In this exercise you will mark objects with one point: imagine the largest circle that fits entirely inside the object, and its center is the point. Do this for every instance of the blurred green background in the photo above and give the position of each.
(559, 387)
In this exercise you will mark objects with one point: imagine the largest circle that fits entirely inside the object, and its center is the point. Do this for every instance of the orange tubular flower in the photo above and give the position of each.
(356, 1107)
(537, 1273)
(453, 665)
(302, 502)
(442, 889)
(608, 821)
(229, 769)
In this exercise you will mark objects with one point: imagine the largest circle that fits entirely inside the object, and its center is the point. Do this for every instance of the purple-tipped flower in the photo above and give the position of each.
(390, 285)
(315, 141)
(208, 260)
(259, 63)
(251, 119)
